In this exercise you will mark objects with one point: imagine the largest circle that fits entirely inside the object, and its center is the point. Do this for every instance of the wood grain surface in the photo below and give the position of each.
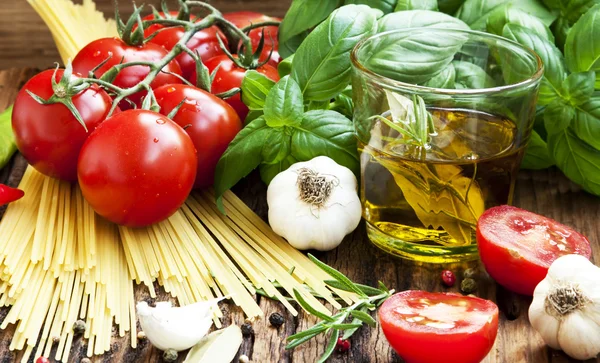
(545, 192)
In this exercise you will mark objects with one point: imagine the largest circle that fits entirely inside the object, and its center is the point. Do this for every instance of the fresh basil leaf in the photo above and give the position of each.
(579, 87)
(560, 28)
(512, 15)
(449, 6)
(570, 10)
(555, 71)
(423, 55)
(243, 154)
(277, 146)
(444, 79)
(471, 76)
(582, 49)
(328, 133)
(7, 138)
(255, 87)
(285, 66)
(252, 115)
(343, 104)
(321, 65)
(419, 19)
(290, 47)
(300, 17)
(284, 104)
(558, 116)
(269, 171)
(317, 105)
(386, 6)
(586, 124)
(416, 4)
(537, 156)
(476, 12)
(578, 160)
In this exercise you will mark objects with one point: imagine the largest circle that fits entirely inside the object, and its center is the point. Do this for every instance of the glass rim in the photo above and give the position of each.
(389, 82)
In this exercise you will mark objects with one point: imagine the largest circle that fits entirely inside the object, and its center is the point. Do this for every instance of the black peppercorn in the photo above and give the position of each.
(470, 273)
(247, 329)
(79, 327)
(468, 285)
(170, 355)
(276, 320)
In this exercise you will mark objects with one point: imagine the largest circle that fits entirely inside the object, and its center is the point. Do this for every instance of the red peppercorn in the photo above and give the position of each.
(343, 345)
(42, 360)
(448, 278)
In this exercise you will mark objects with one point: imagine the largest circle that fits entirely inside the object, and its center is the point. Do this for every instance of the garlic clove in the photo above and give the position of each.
(546, 325)
(220, 346)
(178, 328)
(578, 336)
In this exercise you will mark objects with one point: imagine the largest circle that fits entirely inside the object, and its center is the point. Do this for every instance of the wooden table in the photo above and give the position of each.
(545, 192)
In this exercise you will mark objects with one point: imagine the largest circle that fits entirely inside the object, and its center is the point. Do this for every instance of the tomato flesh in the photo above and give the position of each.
(137, 168)
(118, 51)
(517, 246)
(425, 327)
(210, 122)
(49, 136)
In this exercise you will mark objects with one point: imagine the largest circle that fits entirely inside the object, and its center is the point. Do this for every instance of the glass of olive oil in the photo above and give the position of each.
(442, 118)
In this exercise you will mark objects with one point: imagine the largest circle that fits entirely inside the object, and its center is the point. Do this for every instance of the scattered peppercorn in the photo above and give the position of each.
(79, 327)
(247, 329)
(244, 358)
(276, 320)
(42, 360)
(468, 285)
(470, 273)
(343, 345)
(448, 278)
(55, 339)
(141, 335)
(170, 355)
(85, 360)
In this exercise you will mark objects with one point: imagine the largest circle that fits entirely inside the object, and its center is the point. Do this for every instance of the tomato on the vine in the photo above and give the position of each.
(137, 168)
(117, 51)
(243, 19)
(49, 136)
(230, 76)
(210, 122)
(425, 327)
(517, 246)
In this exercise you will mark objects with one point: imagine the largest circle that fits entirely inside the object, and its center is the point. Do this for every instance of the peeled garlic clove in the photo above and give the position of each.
(178, 328)
(220, 346)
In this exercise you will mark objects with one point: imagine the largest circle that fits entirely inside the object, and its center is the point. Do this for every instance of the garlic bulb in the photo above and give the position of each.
(566, 307)
(220, 346)
(177, 328)
(314, 204)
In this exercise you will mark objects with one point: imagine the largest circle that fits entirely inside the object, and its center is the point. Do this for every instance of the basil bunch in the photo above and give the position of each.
(7, 138)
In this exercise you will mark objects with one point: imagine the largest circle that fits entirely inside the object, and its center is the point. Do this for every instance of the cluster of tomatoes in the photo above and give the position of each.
(137, 167)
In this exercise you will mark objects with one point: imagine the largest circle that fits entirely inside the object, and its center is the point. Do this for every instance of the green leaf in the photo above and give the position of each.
(7, 138)
(284, 104)
(537, 156)
(558, 116)
(370, 291)
(450, 6)
(419, 19)
(444, 79)
(579, 87)
(321, 65)
(255, 88)
(423, 55)
(582, 49)
(476, 12)
(277, 146)
(578, 160)
(243, 154)
(416, 4)
(344, 105)
(364, 317)
(326, 133)
(340, 277)
(554, 67)
(586, 124)
(300, 17)
(335, 334)
(386, 6)
(269, 171)
(512, 15)
(570, 10)
(310, 332)
(346, 326)
(285, 66)
(290, 47)
(306, 306)
(469, 75)
(560, 28)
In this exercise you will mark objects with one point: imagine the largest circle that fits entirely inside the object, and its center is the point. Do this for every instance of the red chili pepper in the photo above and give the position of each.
(8, 194)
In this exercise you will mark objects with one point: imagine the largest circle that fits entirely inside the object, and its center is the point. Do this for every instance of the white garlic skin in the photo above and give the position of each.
(577, 332)
(304, 225)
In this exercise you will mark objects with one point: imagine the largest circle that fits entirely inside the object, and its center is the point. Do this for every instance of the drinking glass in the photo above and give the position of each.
(442, 117)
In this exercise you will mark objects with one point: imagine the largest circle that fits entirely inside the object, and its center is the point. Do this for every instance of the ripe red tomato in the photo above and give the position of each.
(154, 27)
(425, 327)
(204, 42)
(230, 76)
(137, 168)
(243, 19)
(210, 122)
(49, 136)
(97, 51)
(517, 246)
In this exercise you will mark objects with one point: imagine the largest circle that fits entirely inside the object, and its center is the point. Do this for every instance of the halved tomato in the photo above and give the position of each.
(517, 246)
(426, 327)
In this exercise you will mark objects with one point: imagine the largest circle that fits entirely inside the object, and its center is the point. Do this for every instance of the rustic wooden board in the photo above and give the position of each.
(545, 192)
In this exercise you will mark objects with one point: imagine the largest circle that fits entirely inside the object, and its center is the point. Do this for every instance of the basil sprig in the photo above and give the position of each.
(7, 138)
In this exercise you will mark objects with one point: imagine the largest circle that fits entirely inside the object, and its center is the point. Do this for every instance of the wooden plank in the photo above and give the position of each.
(546, 192)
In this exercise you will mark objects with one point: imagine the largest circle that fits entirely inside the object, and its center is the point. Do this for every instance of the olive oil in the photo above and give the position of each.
(423, 202)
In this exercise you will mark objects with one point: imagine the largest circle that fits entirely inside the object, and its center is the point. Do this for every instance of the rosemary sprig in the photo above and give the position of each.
(340, 325)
